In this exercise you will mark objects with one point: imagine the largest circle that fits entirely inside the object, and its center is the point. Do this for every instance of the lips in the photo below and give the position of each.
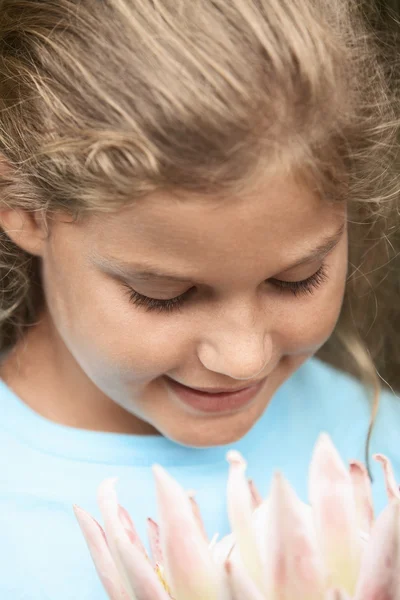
(215, 403)
(217, 390)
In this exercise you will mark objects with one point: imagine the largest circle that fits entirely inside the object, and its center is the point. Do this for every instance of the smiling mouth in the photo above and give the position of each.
(217, 390)
(217, 402)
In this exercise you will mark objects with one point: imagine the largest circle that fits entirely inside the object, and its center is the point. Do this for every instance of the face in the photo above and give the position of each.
(263, 279)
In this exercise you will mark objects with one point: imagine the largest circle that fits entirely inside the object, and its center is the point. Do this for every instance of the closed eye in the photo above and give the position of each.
(297, 288)
(305, 286)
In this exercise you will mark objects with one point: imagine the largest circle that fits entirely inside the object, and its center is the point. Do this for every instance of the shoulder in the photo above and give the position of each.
(340, 405)
(318, 382)
(327, 395)
(319, 376)
(323, 398)
(349, 395)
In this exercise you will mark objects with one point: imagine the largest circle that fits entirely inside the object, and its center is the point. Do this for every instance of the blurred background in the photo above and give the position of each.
(385, 17)
(388, 9)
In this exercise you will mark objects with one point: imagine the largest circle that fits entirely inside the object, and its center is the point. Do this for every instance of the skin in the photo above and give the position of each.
(95, 361)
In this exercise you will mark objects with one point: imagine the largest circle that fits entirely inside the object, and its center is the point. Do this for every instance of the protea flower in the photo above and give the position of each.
(279, 548)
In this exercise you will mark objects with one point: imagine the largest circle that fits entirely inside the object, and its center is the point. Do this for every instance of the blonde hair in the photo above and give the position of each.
(102, 103)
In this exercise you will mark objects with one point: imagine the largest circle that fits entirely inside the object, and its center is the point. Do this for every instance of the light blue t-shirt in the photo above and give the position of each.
(47, 467)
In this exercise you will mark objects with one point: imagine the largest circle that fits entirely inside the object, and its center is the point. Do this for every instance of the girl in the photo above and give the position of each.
(194, 195)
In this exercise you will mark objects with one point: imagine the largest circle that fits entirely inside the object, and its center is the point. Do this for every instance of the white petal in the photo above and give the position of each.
(293, 566)
(380, 569)
(362, 495)
(260, 519)
(101, 555)
(118, 528)
(153, 534)
(222, 549)
(143, 580)
(240, 511)
(255, 494)
(241, 586)
(336, 594)
(392, 488)
(189, 568)
(197, 514)
(333, 505)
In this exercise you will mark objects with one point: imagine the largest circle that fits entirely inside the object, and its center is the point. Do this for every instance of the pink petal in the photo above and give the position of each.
(220, 556)
(333, 504)
(122, 541)
(131, 530)
(222, 549)
(260, 520)
(391, 486)
(143, 580)
(380, 571)
(98, 547)
(153, 533)
(255, 494)
(197, 514)
(240, 510)
(189, 568)
(241, 586)
(293, 567)
(362, 495)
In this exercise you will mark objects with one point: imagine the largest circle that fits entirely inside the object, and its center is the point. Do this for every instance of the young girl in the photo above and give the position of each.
(197, 194)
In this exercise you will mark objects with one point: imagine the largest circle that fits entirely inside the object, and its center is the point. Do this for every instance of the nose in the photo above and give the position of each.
(239, 347)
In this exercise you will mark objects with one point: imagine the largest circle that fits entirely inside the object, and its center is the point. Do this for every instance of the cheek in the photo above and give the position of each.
(309, 329)
(105, 333)
(308, 326)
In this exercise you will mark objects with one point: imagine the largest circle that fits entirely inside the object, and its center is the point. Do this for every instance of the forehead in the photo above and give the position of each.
(279, 213)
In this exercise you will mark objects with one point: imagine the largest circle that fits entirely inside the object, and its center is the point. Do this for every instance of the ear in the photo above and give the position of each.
(25, 229)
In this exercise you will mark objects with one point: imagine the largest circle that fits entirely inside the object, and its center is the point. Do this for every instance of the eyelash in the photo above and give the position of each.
(297, 288)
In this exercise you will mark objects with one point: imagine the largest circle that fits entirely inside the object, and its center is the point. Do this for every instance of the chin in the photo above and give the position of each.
(210, 432)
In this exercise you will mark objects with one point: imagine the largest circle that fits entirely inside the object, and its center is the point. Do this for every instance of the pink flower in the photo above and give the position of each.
(279, 548)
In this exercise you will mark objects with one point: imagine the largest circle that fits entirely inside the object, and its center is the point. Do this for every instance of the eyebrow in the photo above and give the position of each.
(145, 270)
